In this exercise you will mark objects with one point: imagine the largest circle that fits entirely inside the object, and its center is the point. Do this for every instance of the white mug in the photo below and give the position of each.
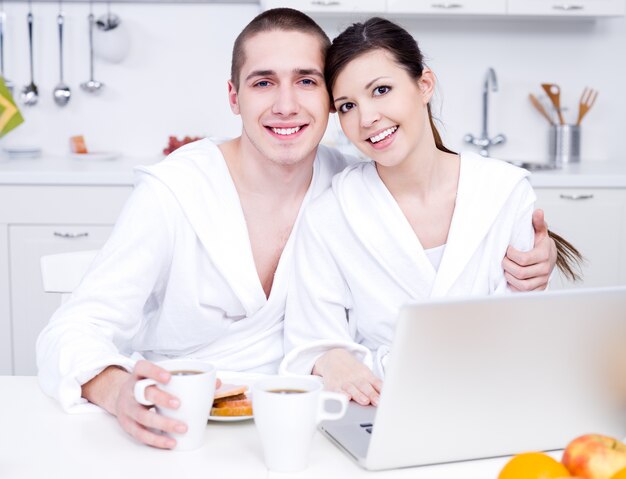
(286, 412)
(193, 383)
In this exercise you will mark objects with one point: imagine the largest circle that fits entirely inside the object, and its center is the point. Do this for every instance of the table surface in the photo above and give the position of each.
(39, 440)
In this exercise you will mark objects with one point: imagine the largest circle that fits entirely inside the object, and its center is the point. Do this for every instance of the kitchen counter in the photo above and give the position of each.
(58, 170)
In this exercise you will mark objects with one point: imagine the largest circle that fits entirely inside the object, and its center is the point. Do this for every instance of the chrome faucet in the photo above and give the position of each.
(484, 141)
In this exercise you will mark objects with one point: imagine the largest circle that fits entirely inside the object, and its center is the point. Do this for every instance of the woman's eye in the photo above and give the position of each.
(381, 90)
(346, 107)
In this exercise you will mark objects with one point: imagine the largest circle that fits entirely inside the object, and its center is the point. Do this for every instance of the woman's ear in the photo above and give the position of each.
(426, 84)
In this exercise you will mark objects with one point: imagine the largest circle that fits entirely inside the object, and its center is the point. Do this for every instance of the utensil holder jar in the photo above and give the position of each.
(564, 144)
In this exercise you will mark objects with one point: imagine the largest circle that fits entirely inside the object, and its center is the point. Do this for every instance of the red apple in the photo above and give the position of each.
(594, 456)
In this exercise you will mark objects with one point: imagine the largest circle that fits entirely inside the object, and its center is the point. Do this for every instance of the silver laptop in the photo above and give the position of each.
(487, 377)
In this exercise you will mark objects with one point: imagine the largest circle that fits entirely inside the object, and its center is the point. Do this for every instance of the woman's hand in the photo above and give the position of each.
(342, 372)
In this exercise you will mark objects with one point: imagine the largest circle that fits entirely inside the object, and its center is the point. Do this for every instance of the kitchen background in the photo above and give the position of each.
(172, 80)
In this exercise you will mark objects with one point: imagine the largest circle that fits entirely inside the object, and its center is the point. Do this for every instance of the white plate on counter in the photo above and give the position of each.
(96, 156)
(239, 379)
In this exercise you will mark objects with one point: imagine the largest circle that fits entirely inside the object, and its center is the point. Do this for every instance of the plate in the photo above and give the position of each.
(247, 379)
(97, 156)
(22, 151)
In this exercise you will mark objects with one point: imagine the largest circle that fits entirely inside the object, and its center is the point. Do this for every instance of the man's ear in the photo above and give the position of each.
(426, 84)
(233, 98)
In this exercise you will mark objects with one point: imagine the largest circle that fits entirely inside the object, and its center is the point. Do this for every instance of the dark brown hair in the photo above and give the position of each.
(377, 34)
(285, 19)
(381, 34)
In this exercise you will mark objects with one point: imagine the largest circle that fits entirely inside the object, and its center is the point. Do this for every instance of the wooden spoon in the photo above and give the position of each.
(537, 104)
(587, 99)
(554, 93)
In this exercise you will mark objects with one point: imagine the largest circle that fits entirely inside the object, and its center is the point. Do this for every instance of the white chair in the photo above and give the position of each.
(62, 273)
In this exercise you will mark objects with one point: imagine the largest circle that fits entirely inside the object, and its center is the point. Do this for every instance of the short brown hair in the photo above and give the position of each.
(285, 19)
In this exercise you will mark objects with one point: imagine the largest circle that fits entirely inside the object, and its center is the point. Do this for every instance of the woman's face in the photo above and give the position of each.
(382, 109)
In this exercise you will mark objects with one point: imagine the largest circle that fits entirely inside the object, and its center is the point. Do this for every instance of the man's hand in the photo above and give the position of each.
(530, 271)
(113, 390)
(343, 373)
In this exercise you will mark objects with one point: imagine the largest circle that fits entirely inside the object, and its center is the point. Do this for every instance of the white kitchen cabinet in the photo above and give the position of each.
(584, 8)
(31, 308)
(594, 221)
(328, 6)
(30, 215)
(447, 7)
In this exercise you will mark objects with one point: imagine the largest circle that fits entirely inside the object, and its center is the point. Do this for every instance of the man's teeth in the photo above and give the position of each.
(383, 134)
(286, 131)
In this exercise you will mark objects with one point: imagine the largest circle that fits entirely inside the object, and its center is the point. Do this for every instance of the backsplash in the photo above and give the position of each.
(173, 79)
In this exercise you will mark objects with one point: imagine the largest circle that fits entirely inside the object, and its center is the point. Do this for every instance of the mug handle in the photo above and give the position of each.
(325, 397)
(140, 391)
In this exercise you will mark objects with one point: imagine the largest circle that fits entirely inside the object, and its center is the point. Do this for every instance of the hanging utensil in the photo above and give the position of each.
(7, 82)
(91, 85)
(554, 93)
(537, 104)
(107, 22)
(61, 93)
(30, 93)
(587, 99)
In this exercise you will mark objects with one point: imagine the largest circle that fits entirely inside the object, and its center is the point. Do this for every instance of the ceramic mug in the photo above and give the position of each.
(193, 383)
(286, 412)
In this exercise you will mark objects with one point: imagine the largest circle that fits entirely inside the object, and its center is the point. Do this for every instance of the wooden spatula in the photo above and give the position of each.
(587, 99)
(554, 93)
(537, 104)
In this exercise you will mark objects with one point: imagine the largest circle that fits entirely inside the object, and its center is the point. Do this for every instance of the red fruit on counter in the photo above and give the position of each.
(174, 143)
(594, 456)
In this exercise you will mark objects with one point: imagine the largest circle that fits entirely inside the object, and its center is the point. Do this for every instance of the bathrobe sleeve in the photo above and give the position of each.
(319, 300)
(94, 328)
(519, 208)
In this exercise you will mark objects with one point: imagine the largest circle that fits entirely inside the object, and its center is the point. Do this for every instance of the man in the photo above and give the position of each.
(199, 261)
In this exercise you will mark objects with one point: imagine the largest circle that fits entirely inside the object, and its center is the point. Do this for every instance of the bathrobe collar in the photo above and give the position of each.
(377, 220)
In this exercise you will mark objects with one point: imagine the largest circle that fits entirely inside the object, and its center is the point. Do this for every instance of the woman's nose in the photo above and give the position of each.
(369, 116)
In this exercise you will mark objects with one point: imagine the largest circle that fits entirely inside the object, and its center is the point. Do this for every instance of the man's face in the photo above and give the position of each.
(282, 99)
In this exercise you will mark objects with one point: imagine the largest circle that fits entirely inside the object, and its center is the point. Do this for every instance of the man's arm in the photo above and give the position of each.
(531, 270)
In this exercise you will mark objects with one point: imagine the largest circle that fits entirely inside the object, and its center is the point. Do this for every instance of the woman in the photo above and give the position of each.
(418, 222)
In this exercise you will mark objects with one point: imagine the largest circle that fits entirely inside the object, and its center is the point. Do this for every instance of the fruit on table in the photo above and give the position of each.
(594, 456)
(533, 465)
(174, 143)
(621, 474)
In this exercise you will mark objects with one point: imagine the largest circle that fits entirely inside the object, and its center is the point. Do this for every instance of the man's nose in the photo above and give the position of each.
(286, 102)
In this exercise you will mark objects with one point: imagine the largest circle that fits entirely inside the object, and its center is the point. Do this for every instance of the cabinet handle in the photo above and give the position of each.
(567, 7)
(447, 5)
(576, 197)
(325, 3)
(71, 235)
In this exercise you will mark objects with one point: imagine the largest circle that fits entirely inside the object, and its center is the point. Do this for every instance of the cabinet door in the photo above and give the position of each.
(593, 221)
(31, 307)
(567, 7)
(448, 7)
(328, 6)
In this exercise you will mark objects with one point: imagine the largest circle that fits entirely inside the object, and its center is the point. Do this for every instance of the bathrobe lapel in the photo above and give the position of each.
(482, 192)
(379, 224)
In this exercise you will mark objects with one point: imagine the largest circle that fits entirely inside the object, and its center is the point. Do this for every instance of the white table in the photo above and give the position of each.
(39, 440)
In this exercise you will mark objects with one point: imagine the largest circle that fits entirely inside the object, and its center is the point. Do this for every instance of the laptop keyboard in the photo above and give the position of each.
(367, 426)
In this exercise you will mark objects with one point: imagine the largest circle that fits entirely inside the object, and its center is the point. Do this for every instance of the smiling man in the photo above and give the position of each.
(199, 261)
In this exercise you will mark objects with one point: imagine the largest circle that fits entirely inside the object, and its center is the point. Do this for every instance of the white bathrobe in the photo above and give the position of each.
(357, 259)
(176, 278)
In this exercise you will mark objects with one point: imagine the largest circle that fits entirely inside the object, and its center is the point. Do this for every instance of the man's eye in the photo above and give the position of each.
(381, 90)
(346, 107)
(308, 81)
(262, 83)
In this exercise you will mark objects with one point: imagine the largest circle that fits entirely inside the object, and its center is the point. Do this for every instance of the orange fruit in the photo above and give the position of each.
(621, 474)
(533, 465)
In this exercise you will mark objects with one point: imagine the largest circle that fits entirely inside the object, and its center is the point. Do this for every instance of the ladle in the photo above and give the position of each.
(91, 85)
(61, 92)
(30, 93)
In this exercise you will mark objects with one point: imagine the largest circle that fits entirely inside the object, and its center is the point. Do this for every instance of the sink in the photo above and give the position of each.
(534, 166)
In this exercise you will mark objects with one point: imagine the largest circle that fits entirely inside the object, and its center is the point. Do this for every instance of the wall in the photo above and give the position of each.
(173, 80)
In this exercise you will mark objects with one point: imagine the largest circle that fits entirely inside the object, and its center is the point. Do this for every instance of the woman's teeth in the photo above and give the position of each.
(384, 134)
(286, 131)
